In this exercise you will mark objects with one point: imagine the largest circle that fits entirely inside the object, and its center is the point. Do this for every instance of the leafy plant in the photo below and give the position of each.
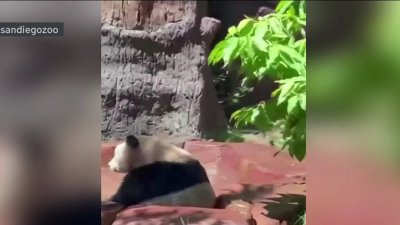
(275, 46)
(302, 220)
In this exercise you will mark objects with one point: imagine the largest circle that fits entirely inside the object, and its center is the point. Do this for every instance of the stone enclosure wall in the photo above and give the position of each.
(155, 77)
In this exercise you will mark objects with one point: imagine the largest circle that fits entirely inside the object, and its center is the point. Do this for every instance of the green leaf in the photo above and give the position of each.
(300, 128)
(281, 99)
(286, 60)
(303, 101)
(248, 67)
(291, 59)
(250, 53)
(274, 93)
(241, 117)
(289, 25)
(292, 103)
(260, 44)
(229, 50)
(285, 88)
(232, 31)
(217, 53)
(279, 36)
(298, 149)
(263, 123)
(301, 21)
(254, 115)
(261, 29)
(301, 46)
(261, 71)
(235, 115)
(291, 11)
(298, 67)
(302, 8)
(275, 25)
(283, 6)
(243, 42)
(273, 55)
(290, 55)
(274, 112)
(245, 27)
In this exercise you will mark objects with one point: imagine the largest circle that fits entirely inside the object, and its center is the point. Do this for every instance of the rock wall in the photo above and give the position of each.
(155, 78)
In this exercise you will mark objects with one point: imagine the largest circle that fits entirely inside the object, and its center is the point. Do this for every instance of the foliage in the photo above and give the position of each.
(275, 46)
(302, 219)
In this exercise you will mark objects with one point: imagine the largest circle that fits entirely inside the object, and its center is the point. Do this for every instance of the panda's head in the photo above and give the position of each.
(124, 155)
(138, 151)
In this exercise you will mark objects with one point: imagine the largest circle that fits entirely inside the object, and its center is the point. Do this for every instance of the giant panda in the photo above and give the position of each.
(159, 173)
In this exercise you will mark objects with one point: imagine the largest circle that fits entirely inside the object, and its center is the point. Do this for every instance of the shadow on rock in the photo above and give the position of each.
(286, 208)
(245, 192)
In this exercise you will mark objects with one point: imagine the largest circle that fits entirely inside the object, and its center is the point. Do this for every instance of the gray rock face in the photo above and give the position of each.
(155, 78)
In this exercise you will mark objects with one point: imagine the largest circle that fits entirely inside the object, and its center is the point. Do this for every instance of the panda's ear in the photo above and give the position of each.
(132, 141)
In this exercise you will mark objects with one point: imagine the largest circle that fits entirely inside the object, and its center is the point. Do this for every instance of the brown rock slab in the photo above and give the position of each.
(161, 215)
(109, 212)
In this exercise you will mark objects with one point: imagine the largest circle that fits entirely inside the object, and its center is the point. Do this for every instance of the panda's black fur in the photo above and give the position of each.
(156, 179)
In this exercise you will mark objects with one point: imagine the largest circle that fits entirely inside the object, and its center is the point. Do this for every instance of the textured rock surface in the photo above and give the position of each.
(248, 180)
(155, 78)
(158, 215)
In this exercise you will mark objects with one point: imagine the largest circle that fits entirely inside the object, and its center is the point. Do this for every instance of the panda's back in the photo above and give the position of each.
(166, 183)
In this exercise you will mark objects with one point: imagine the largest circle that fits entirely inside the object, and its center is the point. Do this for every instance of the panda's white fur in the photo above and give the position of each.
(151, 150)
